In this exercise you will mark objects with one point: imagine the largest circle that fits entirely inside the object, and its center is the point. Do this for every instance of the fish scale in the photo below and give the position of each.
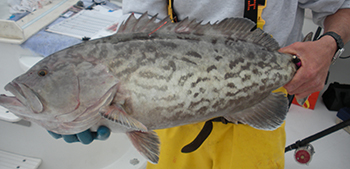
(154, 75)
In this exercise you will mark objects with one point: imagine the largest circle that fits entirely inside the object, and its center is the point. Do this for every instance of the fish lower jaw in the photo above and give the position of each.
(10, 101)
(15, 106)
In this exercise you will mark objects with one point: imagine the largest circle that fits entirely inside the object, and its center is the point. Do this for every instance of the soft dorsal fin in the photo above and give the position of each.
(237, 29)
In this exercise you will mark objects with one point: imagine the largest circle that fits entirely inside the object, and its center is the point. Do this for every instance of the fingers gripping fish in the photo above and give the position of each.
(153, 75)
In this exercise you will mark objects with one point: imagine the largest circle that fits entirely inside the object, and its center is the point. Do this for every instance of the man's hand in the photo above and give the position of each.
(316, 56)
(315, 59)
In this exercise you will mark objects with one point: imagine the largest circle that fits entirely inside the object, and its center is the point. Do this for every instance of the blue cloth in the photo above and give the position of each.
(47, 43)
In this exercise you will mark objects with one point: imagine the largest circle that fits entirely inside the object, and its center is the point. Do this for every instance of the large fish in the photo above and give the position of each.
(154, 75)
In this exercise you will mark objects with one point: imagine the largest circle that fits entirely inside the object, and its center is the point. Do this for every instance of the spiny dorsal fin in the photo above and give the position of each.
(144, 24)
(229, 28)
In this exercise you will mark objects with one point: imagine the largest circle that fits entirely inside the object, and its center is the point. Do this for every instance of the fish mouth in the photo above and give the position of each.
(15, 90)
(23, 97)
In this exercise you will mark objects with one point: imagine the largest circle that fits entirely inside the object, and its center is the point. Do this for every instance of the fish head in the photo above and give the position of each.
(59, 91)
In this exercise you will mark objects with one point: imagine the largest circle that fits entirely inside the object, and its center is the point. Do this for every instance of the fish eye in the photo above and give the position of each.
(42, 72)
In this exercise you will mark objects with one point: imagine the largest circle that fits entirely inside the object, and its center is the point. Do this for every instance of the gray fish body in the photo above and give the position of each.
(157, 75)
(173, 82)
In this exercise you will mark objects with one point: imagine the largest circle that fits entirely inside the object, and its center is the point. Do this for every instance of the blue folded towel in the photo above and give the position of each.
(47, 43)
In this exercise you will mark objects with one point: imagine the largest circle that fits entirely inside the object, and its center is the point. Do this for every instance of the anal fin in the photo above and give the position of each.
(147, 143)
(117, 114)
(269, 114)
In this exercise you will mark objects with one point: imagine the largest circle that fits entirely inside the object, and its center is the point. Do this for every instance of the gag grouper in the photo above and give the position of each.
(154, 75)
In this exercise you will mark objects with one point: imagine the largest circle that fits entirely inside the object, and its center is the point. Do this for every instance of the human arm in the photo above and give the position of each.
(316, 56)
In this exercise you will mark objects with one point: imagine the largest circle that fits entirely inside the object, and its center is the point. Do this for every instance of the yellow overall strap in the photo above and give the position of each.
(253, 10)
(171, 11)
(260, 22)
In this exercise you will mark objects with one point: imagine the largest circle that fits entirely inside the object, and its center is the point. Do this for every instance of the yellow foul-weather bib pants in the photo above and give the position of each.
(229, 146)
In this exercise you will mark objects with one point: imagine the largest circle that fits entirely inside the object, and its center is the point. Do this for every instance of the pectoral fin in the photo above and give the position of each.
(147, 143)
(117, 114)
(269, 114)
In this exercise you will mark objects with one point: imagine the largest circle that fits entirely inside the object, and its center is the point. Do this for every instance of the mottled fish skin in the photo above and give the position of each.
(173, 82)
(166, 82)
(157, 75)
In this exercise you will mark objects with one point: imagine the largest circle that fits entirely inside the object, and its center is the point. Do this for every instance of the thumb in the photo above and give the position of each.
(288, 49)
